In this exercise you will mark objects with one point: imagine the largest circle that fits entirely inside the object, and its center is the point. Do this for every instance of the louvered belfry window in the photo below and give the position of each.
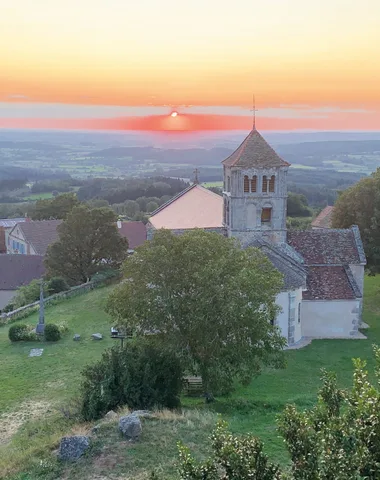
(272, 183)
(265, 184)
(246, 184)
(266, 215)
(254, 184)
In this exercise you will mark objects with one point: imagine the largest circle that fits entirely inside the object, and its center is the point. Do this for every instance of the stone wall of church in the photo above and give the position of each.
(244, 210)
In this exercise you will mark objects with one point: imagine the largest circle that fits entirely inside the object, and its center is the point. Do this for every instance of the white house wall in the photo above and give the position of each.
(329, 318)
(293, 332)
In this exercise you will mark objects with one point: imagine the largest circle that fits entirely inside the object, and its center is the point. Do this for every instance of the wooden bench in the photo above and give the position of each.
(193, 385)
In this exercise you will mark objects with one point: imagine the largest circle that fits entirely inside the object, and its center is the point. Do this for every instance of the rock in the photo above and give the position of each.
(97, 336)
(143, 414)
(72, 448)
(130, 427)
(76, 337)
(111, 415)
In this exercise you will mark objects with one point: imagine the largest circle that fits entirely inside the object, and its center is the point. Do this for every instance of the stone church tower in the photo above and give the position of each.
(254, 192)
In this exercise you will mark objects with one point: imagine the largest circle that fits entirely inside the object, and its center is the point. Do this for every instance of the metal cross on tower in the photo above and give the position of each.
(196, 179)
(254, 110)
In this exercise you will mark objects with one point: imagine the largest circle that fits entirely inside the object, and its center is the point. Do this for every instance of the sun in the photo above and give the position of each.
(173, 114)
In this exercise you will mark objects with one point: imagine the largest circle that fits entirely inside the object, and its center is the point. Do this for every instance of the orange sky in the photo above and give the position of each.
(314, 53)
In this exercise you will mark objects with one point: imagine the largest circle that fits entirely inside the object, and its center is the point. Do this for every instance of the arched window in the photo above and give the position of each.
(225, 212)
(246, 184)
(228, 213)
(272, 183)
(266, 215)
(265, 184)
(254, 183)
(228, 183)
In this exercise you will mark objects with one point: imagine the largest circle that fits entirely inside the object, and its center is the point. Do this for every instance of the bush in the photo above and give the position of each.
(18, 333)
(57, 285)
(52, 333)
(140, 375)
(9, 308)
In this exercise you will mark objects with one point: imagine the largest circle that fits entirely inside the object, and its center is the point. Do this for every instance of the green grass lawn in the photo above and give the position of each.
(39, 196)
(54, 378)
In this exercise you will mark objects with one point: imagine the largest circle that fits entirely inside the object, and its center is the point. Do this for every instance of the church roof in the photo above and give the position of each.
(330, 283)
(328, 247)
(194, 207)
(254, 151)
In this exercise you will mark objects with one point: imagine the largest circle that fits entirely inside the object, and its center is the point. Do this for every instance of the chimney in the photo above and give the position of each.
(118, 224)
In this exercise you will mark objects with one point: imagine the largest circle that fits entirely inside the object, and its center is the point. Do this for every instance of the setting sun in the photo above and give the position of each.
(174, 114)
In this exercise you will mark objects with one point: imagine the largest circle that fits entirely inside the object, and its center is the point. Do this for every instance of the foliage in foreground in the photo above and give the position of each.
(141, 375)
(52, 333)
(212, 302)
(21, 333)
(339, 439)
(88, 243)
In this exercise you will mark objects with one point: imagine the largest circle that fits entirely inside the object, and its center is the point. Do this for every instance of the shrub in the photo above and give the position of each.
(52, 333)
(9, 308)
(18, 333)
(57, 285)
(28, 294)
(63, 328)
(140, 375)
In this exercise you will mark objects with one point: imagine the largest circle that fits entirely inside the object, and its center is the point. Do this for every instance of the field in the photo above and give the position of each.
(34, 389)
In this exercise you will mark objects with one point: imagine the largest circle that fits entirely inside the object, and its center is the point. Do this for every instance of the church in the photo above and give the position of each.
(323, 269)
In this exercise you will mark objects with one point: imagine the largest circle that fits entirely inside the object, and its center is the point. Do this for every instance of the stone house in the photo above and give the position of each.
(32, 237)
(323, 269)
(6, 225)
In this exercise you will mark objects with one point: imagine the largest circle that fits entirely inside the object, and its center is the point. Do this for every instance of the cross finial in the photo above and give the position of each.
(254, 110)
(196, 179)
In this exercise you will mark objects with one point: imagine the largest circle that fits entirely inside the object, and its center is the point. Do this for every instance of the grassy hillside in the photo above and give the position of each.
(35, 388)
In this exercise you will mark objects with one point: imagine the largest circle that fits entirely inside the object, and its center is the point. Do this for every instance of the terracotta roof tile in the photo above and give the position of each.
(40, 234)
(330, 283)
(195, 207)
(135, 232)
(326, 247)
(323, 220)
(254, 151)
(19, 270)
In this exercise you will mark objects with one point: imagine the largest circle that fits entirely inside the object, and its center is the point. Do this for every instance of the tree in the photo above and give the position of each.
(212, 302)
(88, 243)
(360, 205)
(297, 205)
(54, 209)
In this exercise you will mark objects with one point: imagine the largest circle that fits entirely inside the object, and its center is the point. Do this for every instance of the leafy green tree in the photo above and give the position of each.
(57, 285)
(88, 243)
(297, 205)
(151, 206)
(28, 294)
(131, 208)
(212, 301)
(360, 205)
(56, 208)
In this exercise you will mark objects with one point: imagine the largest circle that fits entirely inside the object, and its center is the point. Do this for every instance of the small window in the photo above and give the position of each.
(299, 313)
(246, 184)
(254, 184)
(228, 184)
(265, 184)
(266, 215)
(272, 183)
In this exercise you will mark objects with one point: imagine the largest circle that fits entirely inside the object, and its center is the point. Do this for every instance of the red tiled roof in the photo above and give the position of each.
(254, 151)
(330, 283)
(325, 247)
(135, 232)
(19, 270)
(40, 233)
(323, 220)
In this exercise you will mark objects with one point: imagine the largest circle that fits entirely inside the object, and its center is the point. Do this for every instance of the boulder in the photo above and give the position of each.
(76, 337)
(130, 427)
(97, 336)
(111, 415)
(72, 448)
(143, 414)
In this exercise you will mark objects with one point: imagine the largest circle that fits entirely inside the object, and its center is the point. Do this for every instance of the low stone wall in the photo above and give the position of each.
(27, 310)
